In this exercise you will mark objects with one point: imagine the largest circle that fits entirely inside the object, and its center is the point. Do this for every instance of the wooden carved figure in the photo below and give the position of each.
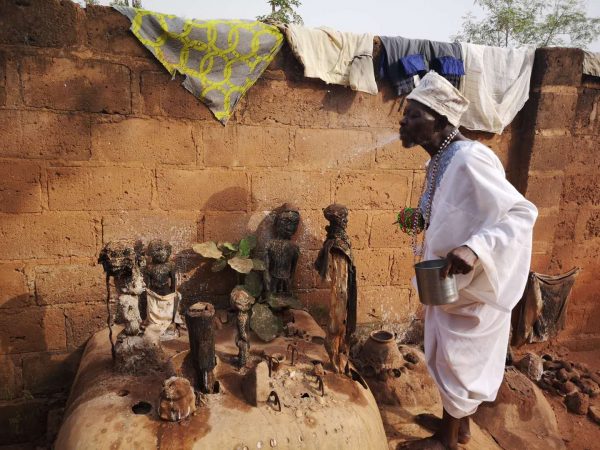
(336, 264)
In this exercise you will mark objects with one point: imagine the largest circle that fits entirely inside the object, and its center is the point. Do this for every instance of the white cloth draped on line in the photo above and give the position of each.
(591, 63)
(466, 342)
(335, 57)
(496, 82)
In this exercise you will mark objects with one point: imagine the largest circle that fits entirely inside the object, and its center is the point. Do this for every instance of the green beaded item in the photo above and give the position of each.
(406, 221)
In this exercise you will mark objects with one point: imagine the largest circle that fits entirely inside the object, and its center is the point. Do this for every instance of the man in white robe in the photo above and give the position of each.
(483, 226)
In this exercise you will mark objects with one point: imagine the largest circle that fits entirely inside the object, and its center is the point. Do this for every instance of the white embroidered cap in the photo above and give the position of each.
(437, 93)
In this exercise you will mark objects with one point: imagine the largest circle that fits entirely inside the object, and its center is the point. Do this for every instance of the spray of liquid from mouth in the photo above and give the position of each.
(349, 155)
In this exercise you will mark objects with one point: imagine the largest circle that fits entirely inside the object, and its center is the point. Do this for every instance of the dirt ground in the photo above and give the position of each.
(578, 432)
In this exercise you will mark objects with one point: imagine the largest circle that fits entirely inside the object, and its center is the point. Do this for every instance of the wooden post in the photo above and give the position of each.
(199, 319)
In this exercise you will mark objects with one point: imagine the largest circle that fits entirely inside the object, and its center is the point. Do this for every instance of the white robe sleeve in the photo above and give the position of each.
(504, 240)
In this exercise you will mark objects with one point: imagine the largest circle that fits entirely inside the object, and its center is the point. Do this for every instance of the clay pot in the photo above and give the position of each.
(380, 354)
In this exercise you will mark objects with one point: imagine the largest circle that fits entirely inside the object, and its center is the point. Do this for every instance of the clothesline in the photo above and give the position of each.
(222, 59)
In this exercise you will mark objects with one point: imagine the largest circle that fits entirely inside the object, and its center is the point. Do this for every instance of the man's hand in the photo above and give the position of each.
(461, 260)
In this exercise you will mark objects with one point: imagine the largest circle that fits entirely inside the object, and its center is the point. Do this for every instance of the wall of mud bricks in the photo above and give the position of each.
(98, 143)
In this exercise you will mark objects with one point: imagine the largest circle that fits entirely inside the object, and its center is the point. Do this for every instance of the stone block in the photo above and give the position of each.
(71, 283)
(164, 96)
(32, 329)
(332, 149)
(306, 190)
(557, 66)
(207, 189)
(48, 235)
(387, 304)
(3, 69)
(544, 229)
(108, 32)
(269, 101)
(76, 85)
(390, 154)
(147, 140)
(20, 189)
(11, 382)
(587, 120)
(82, 321)
(582, 191)
(15, 292)
(230, 226)
(417, 187)
(588, 226)
(41, 23)
(383, 190)
(246, 146)
(385, 234)
(44, 135)
(99, 188)
(555, 109)
(372, 267)
(544, 189)
(402, 267)
(349, 108)
(552, 152)
(23, 421)
(180, 228)
(47, 373)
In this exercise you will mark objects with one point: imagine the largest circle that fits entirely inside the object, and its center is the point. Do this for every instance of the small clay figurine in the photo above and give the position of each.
(177, 400)
(123, 260)
(242, 301)
(281, 254)
(162, 297)
(336, 264)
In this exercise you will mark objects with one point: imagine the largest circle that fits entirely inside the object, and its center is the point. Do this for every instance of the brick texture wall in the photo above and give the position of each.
(98, 143)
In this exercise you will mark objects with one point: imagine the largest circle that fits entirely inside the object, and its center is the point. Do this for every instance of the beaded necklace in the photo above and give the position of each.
(428, 188)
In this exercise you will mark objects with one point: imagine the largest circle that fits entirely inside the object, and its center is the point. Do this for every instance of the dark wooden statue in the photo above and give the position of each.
(199, 318)
(281, 254)
(336, 264)
(161, 283)
(242, 301)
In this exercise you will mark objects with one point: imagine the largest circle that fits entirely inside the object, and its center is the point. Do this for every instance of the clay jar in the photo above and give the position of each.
(380, 355)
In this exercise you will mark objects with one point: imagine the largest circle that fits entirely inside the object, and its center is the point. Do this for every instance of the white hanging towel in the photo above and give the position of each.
(591, 64)
(335, 57)
(496, 82)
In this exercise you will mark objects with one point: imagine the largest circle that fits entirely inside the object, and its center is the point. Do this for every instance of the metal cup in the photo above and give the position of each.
(433, 289)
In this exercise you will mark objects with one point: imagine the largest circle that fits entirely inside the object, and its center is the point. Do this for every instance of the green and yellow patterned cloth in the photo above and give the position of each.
(221, 59)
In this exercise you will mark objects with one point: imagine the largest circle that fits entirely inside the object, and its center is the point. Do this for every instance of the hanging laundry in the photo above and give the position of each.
(221, 59)
(405, 61)
(335, 57)
(591, 63)
(496, 83)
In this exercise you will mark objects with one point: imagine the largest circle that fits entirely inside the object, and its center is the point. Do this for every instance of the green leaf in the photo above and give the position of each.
(241, 265)
(208, 250)
(259, 264)
(253, 284)
(228, 246)
(219, 265)
(246, 246)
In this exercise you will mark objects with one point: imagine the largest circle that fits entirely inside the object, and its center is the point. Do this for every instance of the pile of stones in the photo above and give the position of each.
(572, 380)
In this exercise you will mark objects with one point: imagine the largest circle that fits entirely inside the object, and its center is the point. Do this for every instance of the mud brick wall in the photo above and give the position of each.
(98, 143)
(563, 180)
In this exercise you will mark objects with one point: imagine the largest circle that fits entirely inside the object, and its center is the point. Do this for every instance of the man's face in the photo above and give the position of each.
(417, 126)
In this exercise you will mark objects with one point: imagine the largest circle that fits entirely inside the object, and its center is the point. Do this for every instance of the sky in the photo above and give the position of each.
(421, 19)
